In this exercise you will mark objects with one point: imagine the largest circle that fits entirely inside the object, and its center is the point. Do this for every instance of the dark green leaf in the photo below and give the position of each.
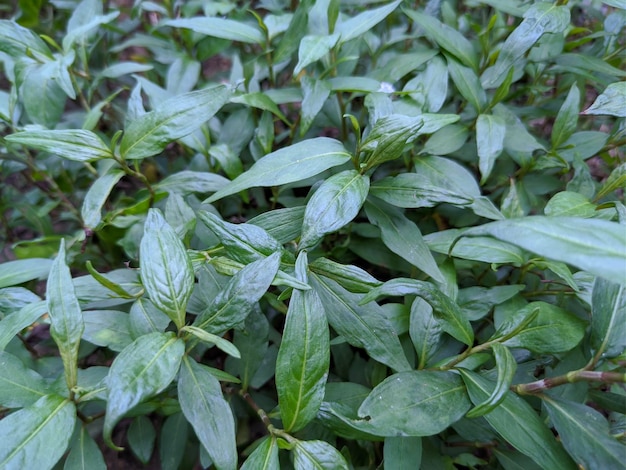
(610, 102)
(567, 119)
(141, 436)
(362, 326)
(468, 84)
(176, 117)
(37, 436)
(284, 225)
(166, 270)
(314, 95)
(453, 319)
(212, 339)
(84, 454)
(286, 165)
(615, 182)
(66, 317)
(490, 133)
(416, 403)
(585, 434)
(204, 407)
(446, 140)
(476, 301)
(97, 195)
(73, 144)
(349, 277)
(518, 424)
(484, 249)
(597, 246)
(403, 237)
(506, 366)
(304, 355)
(19, 385)
(143, 369)
(252, 342)
(295, 31)
(173, 441)
(425, 331)
(335, 203)
(16, 272)
(608, 318)
(402, 452)
(232, 305)
(264, 457)
(219, 28)
(319, 455)
(15, 322)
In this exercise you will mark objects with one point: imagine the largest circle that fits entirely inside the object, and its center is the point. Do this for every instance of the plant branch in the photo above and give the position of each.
(571, 377)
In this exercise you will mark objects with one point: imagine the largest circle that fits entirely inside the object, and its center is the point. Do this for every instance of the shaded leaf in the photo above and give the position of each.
(219, 342)
(19, 385)
(15, 322)
(490, 133)
(350, 277)
(84, 454)
(402, 452)
(141, 436)
(314, 95)
(264, 457)
(608, 317)
(96, 196)
(567, 118)
(318, 455)
(468, 84)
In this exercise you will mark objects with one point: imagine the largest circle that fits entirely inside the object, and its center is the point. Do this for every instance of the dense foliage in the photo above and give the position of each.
(317, 234)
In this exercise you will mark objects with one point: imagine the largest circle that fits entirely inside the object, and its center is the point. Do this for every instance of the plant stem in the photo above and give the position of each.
(571, 377)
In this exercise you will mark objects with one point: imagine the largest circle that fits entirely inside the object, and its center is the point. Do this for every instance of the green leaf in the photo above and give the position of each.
(314, 95)
(186, 182)
(16, 272)
(145, 318)
(453, 319)
(506, 367)
(313, 48)
(141, 436)
(19, 385)
(362, 326)
(284, 224)
(402, 452)
(173, 441)
(597, 246)
(358, 25)
(468, 84)
(567, 118)
(416, 403)
(449, 39)
(219, 28)
(585, 434)
(295, 32)
(244, 242)
(335, 203)
(289, 164)
(264, 457)
(349, 277)
(252, 342)
(477, 301)
(615, 182)
(610, 102)
(608, 318)
(261, 101)
(45, 100)
(210, 416)
(304, 356)
(79, 32)
(84, 453)
(107, 328)
(97, 195)
(517, 422)
(73, 144)
(403, 237)
(540, 18)
(219, 342)
(425, 331)
(318, 455)
(176, 117)
(142, 370)
(446, 140)
(232, 305)
(37, 436)
(165, 268)
(484, 249)
(66, 317)
(569, 204)
(490, 133)
(15, 322)
(17, 41)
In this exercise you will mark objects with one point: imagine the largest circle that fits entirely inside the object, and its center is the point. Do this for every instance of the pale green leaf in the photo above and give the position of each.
(18, 271)
(219, 28)
(19, 385)
(219, 342)
(490, 133)
(313, 48)
(611, 102)
(567, 118)
(84, 453)
(264, 457)
(96, 196)
(608, 318)
(318, 455)
(73, 144)
(358, 25)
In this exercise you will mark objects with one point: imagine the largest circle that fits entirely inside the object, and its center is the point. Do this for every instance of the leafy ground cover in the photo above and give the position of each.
(317, 234)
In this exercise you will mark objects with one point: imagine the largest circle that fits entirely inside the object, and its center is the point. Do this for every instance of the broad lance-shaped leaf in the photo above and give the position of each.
(210, 415)
(97, 195)
(287, 165)
(84, 454)
(314, 95)
(610, 102)
(19, 385)
(244, 242)
(313, 48)
(425, 331)
(18, 271)
(219, 28)
(73, 144)
(468, 84)
(363, 22)
(15, 322)
(454, 322)
(490, 132)
(335, 203)
(37, 436)
(304, 356)
(585, 434)
(66, 317)
(176, 117)
(518, 424)
(142, 370)
(264, 457)
(446, 37)
(319, 455)
(166, 270)
(608, 318)
(416, 403)
(348, 276)
(362, 326)
(597, 246)
(567, 119)
(233, 303)
(17, 41)
(540, 18)
(506, 367)
(403, 237)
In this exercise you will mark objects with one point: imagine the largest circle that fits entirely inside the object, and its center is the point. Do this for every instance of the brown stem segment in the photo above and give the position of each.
(571, 377)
